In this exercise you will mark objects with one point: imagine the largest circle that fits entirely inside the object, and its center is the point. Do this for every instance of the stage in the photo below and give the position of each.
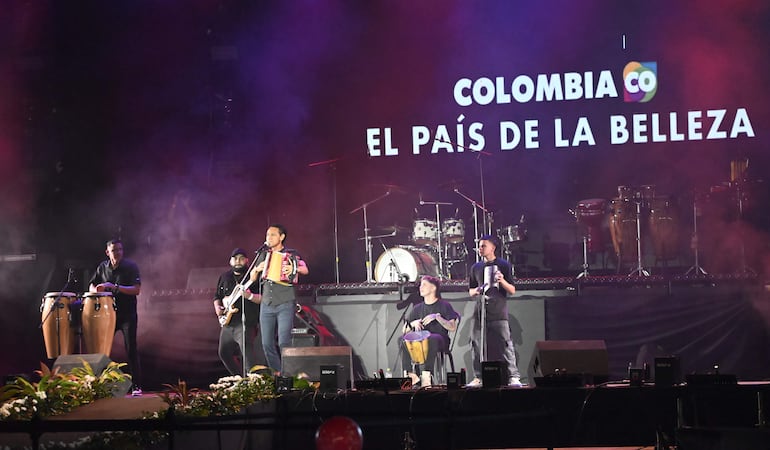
(613, 415)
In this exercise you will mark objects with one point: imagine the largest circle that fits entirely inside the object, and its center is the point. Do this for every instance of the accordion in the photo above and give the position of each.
(274, 268)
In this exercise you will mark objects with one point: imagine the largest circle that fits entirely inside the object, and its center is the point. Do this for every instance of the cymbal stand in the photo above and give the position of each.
(584, 273)
(367, 237)
(696, 268)
(438, 235)
(476, 206)
(639, 269)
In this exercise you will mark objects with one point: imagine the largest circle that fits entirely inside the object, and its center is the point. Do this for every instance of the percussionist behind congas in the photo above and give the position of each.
(433, 315)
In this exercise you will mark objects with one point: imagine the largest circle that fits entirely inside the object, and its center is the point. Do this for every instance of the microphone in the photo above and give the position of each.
(421, 202)
(71, 275)
(264, 247)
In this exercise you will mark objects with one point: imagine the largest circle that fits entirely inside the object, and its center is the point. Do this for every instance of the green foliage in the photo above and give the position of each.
(57, 393)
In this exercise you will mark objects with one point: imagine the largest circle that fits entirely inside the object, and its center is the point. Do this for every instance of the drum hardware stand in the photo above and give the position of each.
(438, 234)
(696, 269)
(476, 206)
(57, 305)
(639, 268)
(368, 239)
(333, 166)
(584, 273)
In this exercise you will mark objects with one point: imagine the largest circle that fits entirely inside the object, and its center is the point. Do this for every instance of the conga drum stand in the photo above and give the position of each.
(584, 273)
(640, 270)
(696, 268)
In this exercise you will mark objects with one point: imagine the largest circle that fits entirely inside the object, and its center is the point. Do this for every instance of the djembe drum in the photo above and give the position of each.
(417, 343)
(98, 322)
(56, 319)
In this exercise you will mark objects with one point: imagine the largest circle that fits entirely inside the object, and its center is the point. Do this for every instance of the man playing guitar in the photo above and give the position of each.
(236, 349)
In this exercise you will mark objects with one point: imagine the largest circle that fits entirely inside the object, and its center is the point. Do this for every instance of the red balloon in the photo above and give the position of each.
(339, 433)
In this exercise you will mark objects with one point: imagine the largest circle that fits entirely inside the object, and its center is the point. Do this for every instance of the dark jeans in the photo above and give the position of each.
(231, 348)
(128, 326)
(499, 347)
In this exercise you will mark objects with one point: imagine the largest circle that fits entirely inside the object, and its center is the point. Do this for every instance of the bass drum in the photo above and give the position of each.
(409, 261)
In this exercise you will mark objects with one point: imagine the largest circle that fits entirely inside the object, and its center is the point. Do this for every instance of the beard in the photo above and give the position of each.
(239, 268)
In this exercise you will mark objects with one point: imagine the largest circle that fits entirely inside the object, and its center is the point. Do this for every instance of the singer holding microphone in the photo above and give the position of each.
(490, 281)
(120, 276)
(277, 269)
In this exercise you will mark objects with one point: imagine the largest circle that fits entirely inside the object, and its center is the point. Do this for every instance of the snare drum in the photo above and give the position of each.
(454, 230)
(425, 232)
(410, 261)
(58, 329)
(98, 322)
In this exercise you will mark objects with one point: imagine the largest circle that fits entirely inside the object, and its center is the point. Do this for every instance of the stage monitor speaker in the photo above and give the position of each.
(97, 361)
(587, 358)
(308, 360)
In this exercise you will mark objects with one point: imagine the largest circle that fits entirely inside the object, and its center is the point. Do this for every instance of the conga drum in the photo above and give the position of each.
(416, 343)
(58, 330)
(590, 213)
(664, 227)
(623, 228)
(98, 322)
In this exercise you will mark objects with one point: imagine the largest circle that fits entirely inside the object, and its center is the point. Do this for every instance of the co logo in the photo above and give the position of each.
(640, 81)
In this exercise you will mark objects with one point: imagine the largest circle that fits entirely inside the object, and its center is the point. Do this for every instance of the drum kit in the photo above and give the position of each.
(65, 315)
(439, 251)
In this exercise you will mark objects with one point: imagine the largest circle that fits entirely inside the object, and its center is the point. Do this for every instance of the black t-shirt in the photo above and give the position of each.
(497, 307)
(225, 285)
(126, 274)
(443, 307)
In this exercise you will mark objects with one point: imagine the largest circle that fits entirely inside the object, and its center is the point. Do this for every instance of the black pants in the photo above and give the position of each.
(128, 326)
(230, 349)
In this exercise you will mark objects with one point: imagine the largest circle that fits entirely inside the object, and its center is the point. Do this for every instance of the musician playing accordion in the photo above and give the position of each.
(427, 325)
(277, 270)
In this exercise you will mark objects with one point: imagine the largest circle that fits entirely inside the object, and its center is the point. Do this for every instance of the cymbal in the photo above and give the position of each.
(451, 184)
(395, 229)
(392, 188)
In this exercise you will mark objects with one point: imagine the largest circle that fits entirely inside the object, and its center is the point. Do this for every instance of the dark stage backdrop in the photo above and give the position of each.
(186, 131)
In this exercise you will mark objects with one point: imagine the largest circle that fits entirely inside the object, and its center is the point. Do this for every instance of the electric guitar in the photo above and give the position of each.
(230, 300)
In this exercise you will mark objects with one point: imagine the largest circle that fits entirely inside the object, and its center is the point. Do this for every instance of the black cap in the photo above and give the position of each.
(238, 251)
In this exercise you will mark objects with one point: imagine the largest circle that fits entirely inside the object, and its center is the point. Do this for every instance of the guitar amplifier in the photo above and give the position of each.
(302, 337)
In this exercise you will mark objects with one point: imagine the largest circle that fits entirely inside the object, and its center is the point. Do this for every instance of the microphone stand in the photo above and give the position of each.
(367, 238)
(244, 349)
(57, 305)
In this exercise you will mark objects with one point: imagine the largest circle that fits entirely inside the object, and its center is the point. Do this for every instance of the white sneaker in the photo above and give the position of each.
(474, 383)
(514, 382)
(136, 391)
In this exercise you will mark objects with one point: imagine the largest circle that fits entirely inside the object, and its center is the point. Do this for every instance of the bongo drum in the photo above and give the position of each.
(416, 343)
(58, 329)
(98, 322)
